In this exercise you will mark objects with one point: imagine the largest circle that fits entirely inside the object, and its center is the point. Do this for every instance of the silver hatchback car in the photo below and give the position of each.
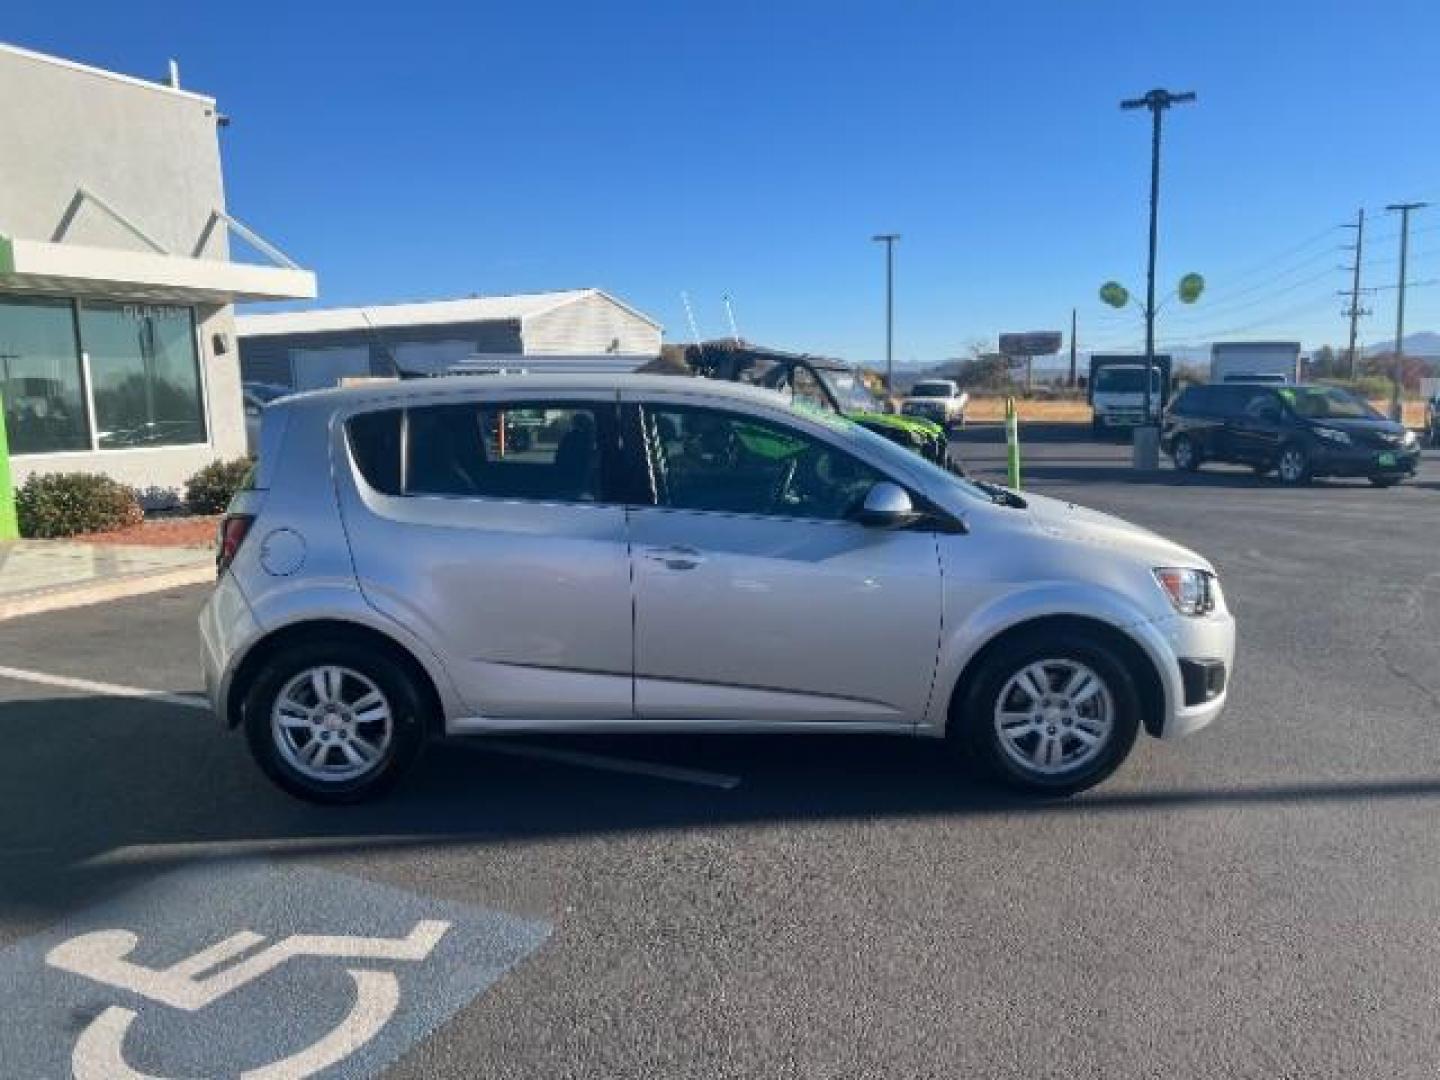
(468, 556)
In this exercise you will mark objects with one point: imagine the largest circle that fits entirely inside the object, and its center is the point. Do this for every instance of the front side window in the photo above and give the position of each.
(145, 374)
(543, 452)
(40, 377)
(1329, 403)
(731, 463)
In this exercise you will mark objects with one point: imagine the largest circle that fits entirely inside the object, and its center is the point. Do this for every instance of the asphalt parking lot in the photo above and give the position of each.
(1260, 900)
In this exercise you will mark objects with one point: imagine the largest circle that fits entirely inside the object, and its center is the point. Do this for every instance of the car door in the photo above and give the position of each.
(1259, 427)
(758, 598)
(489, 527)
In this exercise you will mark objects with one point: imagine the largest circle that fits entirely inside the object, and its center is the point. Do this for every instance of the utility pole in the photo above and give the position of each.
(1157, 101)
(1072, 348)
(1404, 209)
(888, 239)
(1354, 312)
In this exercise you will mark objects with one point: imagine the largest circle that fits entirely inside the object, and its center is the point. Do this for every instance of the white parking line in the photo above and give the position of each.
(541, 753)
(87, 686)
(612, 764)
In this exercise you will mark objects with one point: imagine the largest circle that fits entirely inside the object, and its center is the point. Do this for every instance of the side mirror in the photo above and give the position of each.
(887, 506)
(252, 410)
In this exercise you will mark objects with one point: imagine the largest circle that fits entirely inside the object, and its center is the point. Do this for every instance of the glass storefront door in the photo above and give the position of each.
(144, 373)
(40, 376)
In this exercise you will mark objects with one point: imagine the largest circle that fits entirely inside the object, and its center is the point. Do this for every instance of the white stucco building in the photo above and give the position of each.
(117, 338)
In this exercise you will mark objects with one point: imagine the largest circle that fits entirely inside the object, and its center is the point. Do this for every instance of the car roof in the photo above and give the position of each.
(411, 391)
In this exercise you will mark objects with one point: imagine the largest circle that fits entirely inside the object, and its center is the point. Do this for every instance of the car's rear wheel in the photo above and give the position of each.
(1384, 481)
(334, 722)
(1053, 715)
(1185, 454)
(1293, 465)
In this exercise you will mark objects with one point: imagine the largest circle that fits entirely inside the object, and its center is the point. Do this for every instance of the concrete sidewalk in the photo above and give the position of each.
(45, 575)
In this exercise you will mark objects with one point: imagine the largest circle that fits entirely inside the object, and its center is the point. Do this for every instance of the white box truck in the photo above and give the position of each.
(1255, 361)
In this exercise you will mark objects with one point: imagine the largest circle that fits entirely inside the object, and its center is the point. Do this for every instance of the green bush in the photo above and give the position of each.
(66, 504)
(210, 490)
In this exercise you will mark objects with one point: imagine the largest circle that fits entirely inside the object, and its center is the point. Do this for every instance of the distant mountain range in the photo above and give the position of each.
(1424, 343)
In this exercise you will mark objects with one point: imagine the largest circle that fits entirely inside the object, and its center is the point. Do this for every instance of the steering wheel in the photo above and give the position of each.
(782, 486)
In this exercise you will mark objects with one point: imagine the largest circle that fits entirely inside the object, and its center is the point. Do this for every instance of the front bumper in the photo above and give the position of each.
(1210, 640)
(1338, 460)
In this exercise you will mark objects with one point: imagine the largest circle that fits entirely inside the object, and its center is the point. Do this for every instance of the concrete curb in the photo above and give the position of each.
(98, 592)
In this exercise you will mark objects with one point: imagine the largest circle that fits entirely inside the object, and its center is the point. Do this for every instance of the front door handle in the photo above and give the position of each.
(678, 557)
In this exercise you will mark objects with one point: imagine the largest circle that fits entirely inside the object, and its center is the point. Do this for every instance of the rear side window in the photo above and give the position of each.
(550, 451)
(375, 446)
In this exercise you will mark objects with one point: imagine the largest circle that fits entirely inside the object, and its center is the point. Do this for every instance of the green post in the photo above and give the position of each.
(1012, 444)
(9, 524)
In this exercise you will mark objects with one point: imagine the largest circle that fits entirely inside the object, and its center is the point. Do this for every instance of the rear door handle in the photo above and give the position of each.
(678, 557)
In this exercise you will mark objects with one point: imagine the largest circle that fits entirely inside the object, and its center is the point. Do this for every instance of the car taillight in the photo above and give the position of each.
(233, 530)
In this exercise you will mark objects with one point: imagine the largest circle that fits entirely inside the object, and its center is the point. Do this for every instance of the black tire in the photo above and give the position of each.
(1261, 469)
(1184, 449)
(1384, 481)
(973, 729)
(405, 701)
(1283, 465)
(1097, 430)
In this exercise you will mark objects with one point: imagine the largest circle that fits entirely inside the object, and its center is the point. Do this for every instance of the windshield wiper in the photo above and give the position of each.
(1001, 496)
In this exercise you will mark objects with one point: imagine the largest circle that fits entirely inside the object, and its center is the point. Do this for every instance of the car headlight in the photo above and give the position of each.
(1335, 435)
(1409, 439)
(1192, 592)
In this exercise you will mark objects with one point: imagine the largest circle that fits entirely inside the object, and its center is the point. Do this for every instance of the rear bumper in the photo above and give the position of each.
(226, 625)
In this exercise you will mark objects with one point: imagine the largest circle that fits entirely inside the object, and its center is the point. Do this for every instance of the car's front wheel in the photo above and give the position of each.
(1293, 465)
(334, 722)
(1053, 715)
(1184, 454)
(1384, 481)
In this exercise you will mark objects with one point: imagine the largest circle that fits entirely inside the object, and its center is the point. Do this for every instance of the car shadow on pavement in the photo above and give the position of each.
(97, 793)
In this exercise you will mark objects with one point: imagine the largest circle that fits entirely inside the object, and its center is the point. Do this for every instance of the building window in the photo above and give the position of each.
(144, 374)
(40, 377)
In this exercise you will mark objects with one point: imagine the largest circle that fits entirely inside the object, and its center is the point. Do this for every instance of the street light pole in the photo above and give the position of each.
(888, 239)
(1157, 101)
(1396, 411)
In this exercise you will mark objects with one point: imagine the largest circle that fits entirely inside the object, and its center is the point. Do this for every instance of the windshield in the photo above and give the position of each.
(891, 454)
(1328, 403)
(931, 389)
(850, 391)
(1125, 380)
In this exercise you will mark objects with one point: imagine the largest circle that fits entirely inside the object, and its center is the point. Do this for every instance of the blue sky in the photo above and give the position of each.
(425, 150)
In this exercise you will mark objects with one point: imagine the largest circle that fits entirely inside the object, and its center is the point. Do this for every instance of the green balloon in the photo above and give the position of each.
(1191, 286)
(1114, 294)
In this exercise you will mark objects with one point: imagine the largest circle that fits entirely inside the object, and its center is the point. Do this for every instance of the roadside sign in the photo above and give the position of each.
(248, 969)
(1033, 343)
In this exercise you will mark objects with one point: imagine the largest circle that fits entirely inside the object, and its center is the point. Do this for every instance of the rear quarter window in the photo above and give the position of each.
(375, 446)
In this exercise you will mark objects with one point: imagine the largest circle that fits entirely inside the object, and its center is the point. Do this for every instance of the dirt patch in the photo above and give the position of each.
(197, 531)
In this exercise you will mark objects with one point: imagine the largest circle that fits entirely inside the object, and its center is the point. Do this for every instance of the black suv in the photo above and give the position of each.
(1298, 431)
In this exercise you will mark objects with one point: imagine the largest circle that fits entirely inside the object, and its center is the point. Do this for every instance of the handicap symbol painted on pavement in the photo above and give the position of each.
(173, 979)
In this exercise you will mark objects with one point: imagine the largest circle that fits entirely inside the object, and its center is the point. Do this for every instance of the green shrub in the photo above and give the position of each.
(66, 504)
(210, 490)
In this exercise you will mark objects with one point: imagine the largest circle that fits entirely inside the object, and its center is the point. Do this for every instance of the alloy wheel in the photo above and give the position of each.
(1054, 716)
(332, 724)
(1292, 465)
